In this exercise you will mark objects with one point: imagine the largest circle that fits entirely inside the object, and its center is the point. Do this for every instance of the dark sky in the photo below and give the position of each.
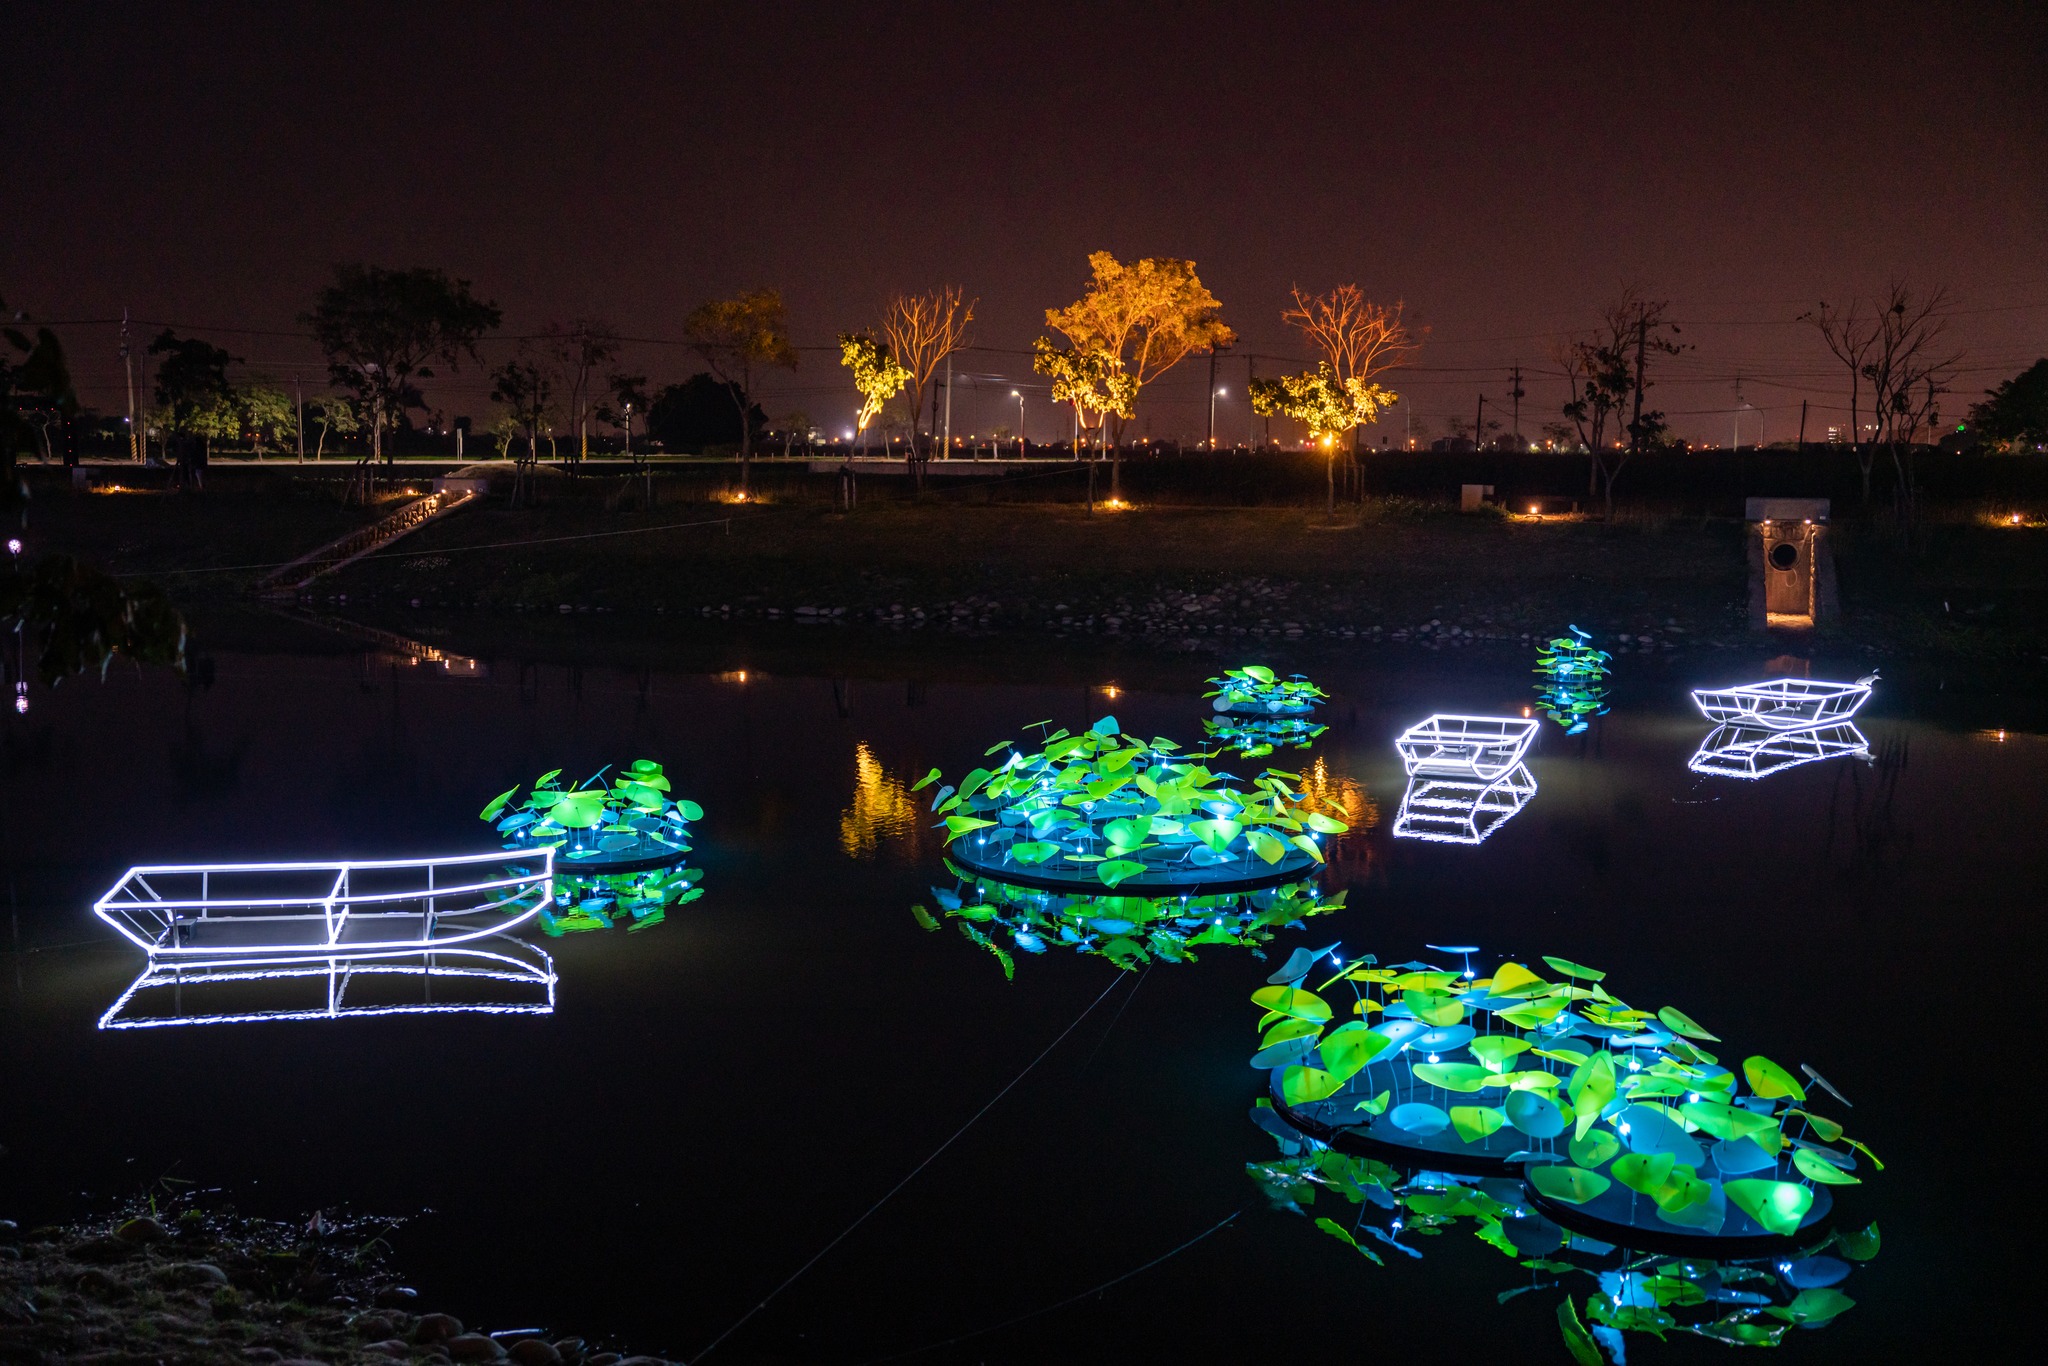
(1504, 169)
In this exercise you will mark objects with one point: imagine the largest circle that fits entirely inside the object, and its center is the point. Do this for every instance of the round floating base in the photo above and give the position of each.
(644, 857)
(1620, 1216)
(1239, 875)
(1258, 711)
(1338, 1122)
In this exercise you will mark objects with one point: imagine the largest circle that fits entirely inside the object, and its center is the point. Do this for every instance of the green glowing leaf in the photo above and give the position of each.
(1474, 1122)
(1533, 1013)
(1571, 969)
(1643, 1173)
(1859, 1245)
(1289, 1029)
(1571, 1185)
(1725, 1121)
(1326, 825)
(1818, 1168)
(1866, 1152)
(1577, 1340)
(1350, 1047)
(1217, 834)
(924, 917)
(1258, 672)
(1453, 1076)
(1815, 1306)
(1771, 1081)
(1594, 1148)
(497, 803)
(1118, 870)
(1494, 1050)
(1681, 1190)
(1300, 1084)
(1267, 846)
(1826, 1128)
(1591, 1088)
(1292, 1001)
(1376, 1106)
(1777, 1205)
(1678, 1022)
(926, 781)
(1033, 851)
(1434, 1007)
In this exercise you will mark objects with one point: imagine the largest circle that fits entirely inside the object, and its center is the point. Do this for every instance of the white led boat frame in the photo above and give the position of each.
(1461, 810)
(512, 979)
(1750, 751)
(304, 911)
(1784, 703)
(1482, 747)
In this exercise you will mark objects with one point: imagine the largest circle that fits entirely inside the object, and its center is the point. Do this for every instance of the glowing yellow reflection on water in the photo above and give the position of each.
(882, 808)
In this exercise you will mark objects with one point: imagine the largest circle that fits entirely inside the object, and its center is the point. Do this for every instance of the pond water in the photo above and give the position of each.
(713, 1099)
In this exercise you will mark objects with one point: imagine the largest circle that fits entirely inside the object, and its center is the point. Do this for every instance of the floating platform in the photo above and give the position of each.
(1784, 703)
(1453, 746)
(287, 911)
(509, 977)
(1243, 873)
(1754, 751)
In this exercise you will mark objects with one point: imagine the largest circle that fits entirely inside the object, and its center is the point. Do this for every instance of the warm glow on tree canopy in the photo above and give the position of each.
(1135, 322)
(876, 374)
(1318, 400)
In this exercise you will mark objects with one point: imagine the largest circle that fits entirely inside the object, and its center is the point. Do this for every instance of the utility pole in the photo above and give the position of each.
(1479, 425)
(128, 364)
(1635, 425)
(1517, 393)
(1251, 378)
(299, 385)
(1212, 398)
(1802, 426)
(949, 405)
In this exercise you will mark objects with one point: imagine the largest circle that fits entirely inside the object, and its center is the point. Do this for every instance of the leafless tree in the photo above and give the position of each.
(1896, 352)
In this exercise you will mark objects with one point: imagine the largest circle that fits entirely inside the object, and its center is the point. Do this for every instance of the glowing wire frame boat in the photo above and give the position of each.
(353, 909)
(1785, 703)
(1483, 747)
(513, 979)
(1461, 811)
(1752, 751)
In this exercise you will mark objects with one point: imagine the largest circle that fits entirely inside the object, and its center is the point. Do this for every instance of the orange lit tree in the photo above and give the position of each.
(922, 330)
(1358, 340)
(876, 374)
(1135, 323)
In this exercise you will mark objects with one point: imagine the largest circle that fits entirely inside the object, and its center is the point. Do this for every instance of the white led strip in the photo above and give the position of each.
(192, 910)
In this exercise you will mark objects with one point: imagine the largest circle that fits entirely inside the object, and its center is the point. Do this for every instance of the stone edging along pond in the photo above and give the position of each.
(201, 1286)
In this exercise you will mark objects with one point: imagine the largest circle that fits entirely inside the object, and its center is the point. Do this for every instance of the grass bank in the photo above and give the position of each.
(959, 559)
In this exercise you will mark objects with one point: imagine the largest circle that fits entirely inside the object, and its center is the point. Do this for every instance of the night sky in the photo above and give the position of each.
(1502, 169)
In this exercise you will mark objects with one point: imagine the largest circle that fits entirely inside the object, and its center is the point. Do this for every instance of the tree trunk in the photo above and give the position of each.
(1330, 477)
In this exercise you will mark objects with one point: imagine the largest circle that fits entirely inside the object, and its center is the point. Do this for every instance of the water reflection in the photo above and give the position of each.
(1461, 810)
(1603, 1291)
(1748, 750)
(1255, 738)
(1130, 931)
(510, 978)
(882, 809)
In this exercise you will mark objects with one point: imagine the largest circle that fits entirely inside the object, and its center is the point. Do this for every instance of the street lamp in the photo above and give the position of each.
(1214, 394)
(1020, 422)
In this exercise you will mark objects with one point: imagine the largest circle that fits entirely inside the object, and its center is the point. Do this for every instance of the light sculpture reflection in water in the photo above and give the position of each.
(1752, 751)
(1130, 931)
(1456, 811)
(516, 980)
(1393, 1209)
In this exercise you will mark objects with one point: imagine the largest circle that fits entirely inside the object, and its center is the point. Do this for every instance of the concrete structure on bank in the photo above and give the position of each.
(1791, 565)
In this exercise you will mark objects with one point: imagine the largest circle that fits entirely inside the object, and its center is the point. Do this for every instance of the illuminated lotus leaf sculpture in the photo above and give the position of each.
(1572, 1185)
(1771, 1081)
(1777, 1205)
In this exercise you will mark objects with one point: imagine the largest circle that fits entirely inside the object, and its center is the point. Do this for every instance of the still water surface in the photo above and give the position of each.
(713, 1099)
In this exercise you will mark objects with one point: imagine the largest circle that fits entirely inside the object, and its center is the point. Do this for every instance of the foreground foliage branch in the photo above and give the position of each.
(74, 618)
